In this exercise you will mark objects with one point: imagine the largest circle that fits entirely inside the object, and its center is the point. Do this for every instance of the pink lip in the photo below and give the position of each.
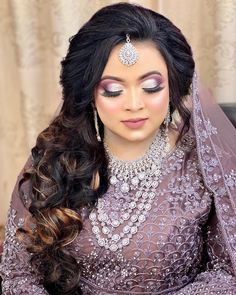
(134, 123)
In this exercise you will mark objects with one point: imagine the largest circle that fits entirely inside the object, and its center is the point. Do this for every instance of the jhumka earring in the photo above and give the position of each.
(96, 125)
(128, 54)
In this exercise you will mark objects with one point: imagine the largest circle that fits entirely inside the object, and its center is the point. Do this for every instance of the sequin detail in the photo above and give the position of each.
(170, 250)
(179, 250)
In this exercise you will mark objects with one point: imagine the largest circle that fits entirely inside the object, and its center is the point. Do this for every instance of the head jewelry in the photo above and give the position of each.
(128, 54)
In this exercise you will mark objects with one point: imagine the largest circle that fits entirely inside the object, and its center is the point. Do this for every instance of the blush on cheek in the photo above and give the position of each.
(108, 105)
(159, 104)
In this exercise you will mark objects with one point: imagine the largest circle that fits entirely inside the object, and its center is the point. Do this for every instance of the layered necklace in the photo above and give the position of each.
(137, 180)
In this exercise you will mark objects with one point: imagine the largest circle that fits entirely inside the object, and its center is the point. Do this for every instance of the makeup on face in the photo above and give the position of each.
(152, 83)
(135, 123)
(132, 101)
(113, 86)
(109, 87)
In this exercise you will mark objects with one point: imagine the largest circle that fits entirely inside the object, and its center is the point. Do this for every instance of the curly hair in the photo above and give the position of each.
(69, 163)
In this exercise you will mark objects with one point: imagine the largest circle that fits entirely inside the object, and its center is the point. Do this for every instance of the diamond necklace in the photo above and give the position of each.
(138, 179)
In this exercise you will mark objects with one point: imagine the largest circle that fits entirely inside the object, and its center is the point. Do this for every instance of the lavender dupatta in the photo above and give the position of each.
(216, 146)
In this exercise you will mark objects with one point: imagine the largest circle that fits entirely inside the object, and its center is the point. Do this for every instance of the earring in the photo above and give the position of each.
(167, 119)
(96, 125)
(166, 122)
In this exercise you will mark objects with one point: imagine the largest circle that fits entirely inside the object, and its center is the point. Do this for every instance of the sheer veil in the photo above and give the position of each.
(216, 146)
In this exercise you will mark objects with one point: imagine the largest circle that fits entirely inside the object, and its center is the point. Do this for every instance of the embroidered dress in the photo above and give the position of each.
(179, 244)
(187, 243)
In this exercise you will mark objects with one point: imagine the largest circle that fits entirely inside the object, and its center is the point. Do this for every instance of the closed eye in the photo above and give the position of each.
(152, 84)
(107, 93)
(153, 89)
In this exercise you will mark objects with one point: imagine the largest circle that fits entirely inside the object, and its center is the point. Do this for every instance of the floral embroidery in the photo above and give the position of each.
(230, 179)
(166, 253)
(15, 269)
(179, 250)
(217, 178)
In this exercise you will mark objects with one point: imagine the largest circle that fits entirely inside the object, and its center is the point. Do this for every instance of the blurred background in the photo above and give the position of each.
(34, 38)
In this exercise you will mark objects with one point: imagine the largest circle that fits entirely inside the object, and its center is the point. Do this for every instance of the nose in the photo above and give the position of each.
(134, 101)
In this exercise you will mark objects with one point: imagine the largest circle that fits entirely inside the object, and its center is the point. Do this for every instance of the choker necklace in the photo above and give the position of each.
(136, 179)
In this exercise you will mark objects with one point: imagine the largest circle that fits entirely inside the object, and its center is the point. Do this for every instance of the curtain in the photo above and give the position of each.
(34, 37)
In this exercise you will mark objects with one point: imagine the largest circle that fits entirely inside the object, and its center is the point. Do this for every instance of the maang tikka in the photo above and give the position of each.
(128, 54)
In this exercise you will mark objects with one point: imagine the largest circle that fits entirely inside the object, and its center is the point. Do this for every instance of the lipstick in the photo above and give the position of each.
(134, 123)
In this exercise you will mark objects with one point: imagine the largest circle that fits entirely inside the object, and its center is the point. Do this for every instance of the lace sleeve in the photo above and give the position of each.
(15, 270)
(218, 275)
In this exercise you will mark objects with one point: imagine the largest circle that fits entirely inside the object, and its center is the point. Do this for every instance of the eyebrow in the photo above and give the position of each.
(140, 78)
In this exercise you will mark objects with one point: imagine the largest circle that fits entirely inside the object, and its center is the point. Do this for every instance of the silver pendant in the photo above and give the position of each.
(128, 54)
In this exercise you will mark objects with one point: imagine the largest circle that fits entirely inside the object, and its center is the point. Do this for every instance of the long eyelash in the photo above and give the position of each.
(111, 93)
(117, 93)
(153, 90)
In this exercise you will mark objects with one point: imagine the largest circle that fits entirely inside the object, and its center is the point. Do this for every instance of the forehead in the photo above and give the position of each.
(149, 59)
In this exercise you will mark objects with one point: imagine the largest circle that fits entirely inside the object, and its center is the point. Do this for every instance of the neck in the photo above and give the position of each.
(128, 150)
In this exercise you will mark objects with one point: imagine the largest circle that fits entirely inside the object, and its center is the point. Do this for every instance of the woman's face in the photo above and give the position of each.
(132, 102)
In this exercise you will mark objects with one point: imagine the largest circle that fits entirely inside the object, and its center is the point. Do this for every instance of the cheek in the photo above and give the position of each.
(107, 107)
(159, 104)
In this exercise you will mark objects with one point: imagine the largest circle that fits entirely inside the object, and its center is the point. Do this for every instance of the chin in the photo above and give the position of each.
(138, 136)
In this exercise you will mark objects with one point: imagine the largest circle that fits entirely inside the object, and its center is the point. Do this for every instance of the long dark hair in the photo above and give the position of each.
(69, 164)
